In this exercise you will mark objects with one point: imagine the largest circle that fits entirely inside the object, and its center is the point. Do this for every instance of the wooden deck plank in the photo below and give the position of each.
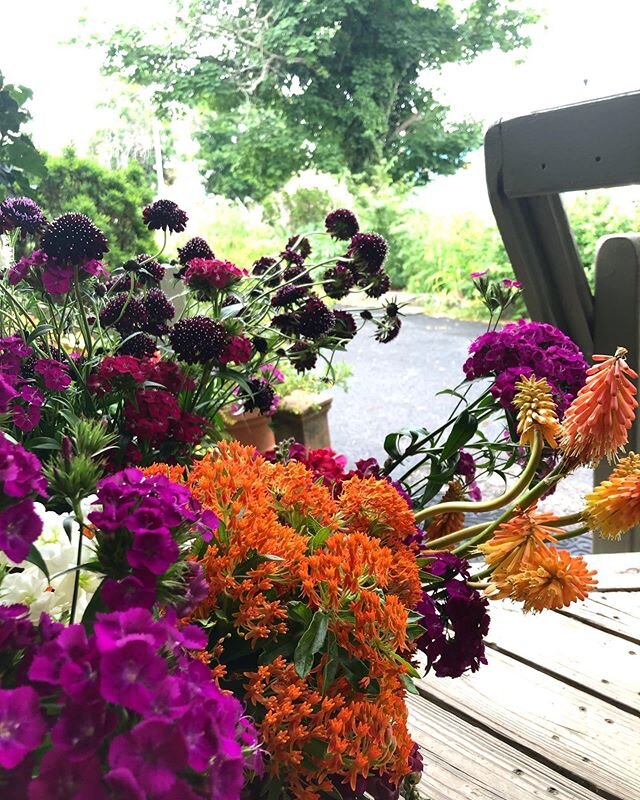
(615, 612)
(576, 733)
(616, 571)
(583, 655)
(463, 762)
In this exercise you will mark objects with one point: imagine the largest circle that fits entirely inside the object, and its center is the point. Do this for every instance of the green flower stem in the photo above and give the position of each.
(575, 532)
(17, 304)
(456, 536)
(84, 324)
(76, 578)
(497, 502)
(562, 522)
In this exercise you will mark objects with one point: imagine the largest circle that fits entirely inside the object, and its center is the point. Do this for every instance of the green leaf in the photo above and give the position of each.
(38, 331)
(34, 557)
(301, 612)
(311, 642)
(409, 684)
(464, 428)
(333, 661)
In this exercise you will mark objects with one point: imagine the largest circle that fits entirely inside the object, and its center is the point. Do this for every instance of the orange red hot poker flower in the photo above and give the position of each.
(613, 507)
(597, 422)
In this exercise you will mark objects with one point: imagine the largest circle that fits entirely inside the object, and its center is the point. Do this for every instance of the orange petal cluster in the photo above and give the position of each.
(555, 581)
(536, 411)
(613, 507)
(597, 422)
(518, 543)
(452, 521)
(283, 542)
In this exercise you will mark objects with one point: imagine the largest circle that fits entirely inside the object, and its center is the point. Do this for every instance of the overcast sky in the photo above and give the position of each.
(582, 49)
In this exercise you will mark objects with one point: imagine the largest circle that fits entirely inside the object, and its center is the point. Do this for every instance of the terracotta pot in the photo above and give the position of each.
(307, 423)
(254, 428)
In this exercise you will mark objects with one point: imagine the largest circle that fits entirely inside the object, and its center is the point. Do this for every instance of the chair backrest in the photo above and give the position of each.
(529, 162)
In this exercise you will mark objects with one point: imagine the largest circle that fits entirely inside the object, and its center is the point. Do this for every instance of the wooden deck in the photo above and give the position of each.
(554, 714)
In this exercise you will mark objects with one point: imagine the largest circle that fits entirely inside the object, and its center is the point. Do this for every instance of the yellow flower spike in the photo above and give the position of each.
(536, 410)
(597, 422)
(613, 507)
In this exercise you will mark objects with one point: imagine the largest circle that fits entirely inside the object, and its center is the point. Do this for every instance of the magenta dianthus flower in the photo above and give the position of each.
(22, 727)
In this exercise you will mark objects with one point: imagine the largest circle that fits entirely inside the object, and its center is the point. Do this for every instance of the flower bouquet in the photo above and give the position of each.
(206, 622)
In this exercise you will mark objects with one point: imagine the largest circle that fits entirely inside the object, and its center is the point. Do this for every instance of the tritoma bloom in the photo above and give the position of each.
(613, 507)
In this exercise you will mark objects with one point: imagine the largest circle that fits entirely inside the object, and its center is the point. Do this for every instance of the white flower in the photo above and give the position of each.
(59, 551)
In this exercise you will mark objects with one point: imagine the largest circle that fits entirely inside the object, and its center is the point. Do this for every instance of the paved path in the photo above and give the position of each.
(395, 386)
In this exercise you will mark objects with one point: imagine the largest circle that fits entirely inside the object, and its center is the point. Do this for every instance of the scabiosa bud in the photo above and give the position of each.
(124, 313)
(377, 284)
(22, 213)
(303, 356)
(368, 251)
(198, 339)
(287, 295)
(261, 397)
(164, 215)
(314, 319)
(296, 274)
(337, 281)
(292, 257)
(302, 245)
(139, 345)
(73, 239)
(196, 247)
(344, 325)
(260, 344)
(159, 310)
(342, 224)
(266, 265)
(388, 329)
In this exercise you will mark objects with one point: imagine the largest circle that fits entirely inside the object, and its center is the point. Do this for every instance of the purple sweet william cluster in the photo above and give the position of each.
(144, 525)
(126, 713)
(455, 619)
(20, 480)
(524, 349)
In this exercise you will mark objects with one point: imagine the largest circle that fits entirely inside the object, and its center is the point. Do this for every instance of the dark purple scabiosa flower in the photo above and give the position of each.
(296, 274)
(124, 313)
(302, 356)
(300, 244)
(288, 295)
(164, 215)
(524, 349)
(344, 325)
(261, 396)
(160, 311)
(198, 339)
(337, 281)
(22, 726)
(388, 327)
(196, 247)
(137, 344)
(455, 618)
(73, 240)
(21, 213)
(286, 323)
(375, 285)
(342, 224)
(314, 319)
(368, 252)
(148, 270)
(292, 257)
(267, 266)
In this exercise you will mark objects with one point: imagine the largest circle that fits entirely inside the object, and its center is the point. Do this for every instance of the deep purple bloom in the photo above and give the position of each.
(368, 252)
(165, 215)
(124, 785)
(73, 240)
(26, 417)
(16, 630)
(154, 550)
(22, 213)
(20, 526)
(466, 467)
(342, 224)
(154, 751)
(196, 588)
(134, 624)
(54, 373)
(199, 339)
(61, 778)
(134, 591)
(196, 247)
(82, 728)
(22, 726)
(130, 674)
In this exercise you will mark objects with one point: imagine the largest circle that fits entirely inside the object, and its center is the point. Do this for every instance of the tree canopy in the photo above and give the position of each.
(342, 85)
(20, 162)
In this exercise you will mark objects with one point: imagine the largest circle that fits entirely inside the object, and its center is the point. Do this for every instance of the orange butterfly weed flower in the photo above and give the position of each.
(452, 521)
(536, 411)
(555, 581)
(518, 543)
(299, 495)
(174, 472)
(613, 507)
(373, 505)
(597, 422)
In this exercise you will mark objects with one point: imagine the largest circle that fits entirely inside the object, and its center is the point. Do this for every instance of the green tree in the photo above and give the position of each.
(289, 84)
(113, 199)
(20, 162)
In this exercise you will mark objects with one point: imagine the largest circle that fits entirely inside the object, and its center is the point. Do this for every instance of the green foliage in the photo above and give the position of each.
(113, 199)
(20, 162)
(289, 84)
